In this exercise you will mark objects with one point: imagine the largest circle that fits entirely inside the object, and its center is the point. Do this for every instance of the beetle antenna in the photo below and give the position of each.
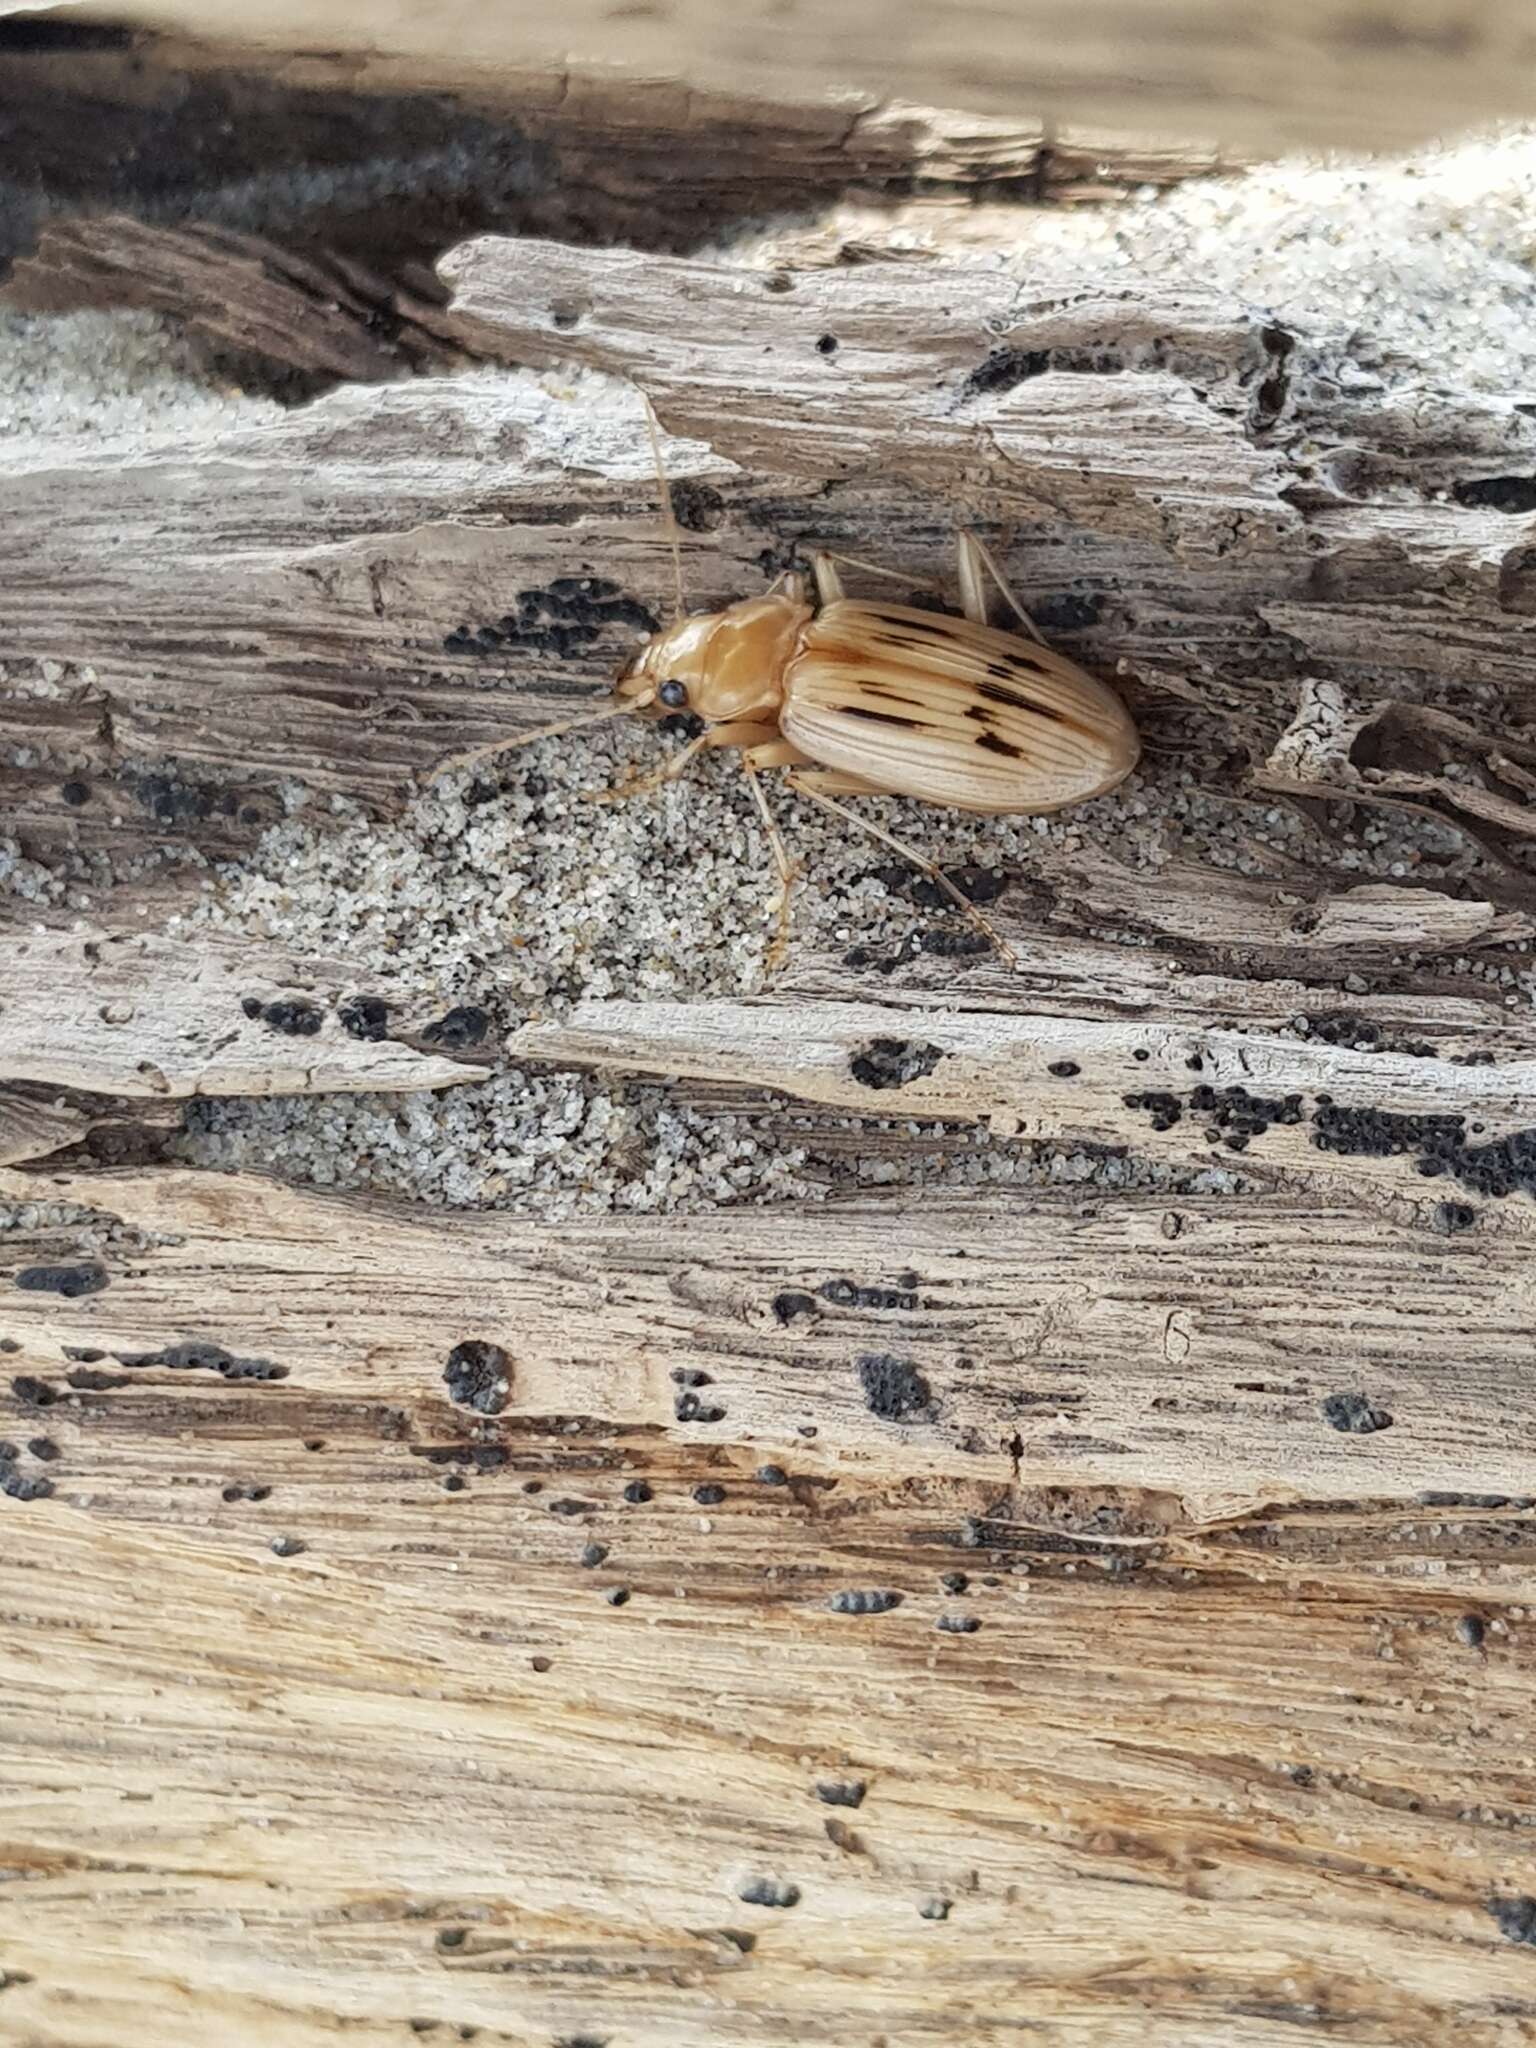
(668, 517)
(526, 739)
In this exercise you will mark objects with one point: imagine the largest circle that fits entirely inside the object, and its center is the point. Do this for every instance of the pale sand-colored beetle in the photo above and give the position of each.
(854, 697)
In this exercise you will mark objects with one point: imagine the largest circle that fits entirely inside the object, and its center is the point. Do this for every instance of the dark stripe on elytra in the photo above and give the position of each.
(991, 744)
(934, 631)
(879, 717)
(995, 694)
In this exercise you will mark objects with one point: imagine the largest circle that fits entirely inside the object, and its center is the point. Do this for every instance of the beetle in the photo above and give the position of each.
(861, 697)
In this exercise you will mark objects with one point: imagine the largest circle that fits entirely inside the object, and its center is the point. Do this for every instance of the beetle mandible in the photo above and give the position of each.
(854, 697)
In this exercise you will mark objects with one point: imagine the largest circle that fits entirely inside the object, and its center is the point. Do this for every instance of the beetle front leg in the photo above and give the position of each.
(788, 869)
(739, 732)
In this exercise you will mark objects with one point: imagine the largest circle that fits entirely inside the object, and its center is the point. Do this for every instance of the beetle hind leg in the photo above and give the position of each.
(976, 563)
(818, 783)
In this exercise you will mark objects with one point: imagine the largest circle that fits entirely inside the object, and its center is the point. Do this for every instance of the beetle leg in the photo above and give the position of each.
(975, 558)
(788, 868)
(736, 732)
(777, 753)
(829, 585)
(814, 785)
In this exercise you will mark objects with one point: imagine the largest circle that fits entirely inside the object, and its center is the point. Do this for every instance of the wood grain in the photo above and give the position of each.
(1205, 1770)
(362, 1687)
(1326, 75)
(1208, 497)
(154, 1016)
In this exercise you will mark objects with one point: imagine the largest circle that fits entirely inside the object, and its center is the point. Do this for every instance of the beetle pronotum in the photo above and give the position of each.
(859, 698)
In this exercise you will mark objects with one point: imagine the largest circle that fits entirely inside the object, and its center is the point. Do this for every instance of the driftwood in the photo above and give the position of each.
(1326, 75)
(614, 1741)
(648, 1630)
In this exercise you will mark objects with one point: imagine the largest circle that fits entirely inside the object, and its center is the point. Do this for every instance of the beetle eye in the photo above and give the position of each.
(673, 694)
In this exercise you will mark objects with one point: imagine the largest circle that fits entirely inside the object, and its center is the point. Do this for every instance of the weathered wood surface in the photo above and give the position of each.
(1208, 1769)
(317, 1723)
(1325, 74)
(1200, 496)
(324, 315)
(351, 158)
(152, 1016)
(1061, 1339)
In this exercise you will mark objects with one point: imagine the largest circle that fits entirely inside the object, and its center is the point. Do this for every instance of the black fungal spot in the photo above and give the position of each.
(1355, 1415)
(75, 792)
(772, 1475)
(934, 1909)
(1471, 1629)
(787, 1307)
(827, 345)
(582, 2041)
(197, 1355)
(709, 1496)
(689, 1408)
(479, 1376)
(1501, 1167)
(365, 1017)
(1269, 399)
(945, 944)
(977, 885)
(954, 1582)
(70, 1281)
(171, 802)
(768, 1891)
(1498, 493)
(463, 1026)
(617, 1596)
(287, 1546)
(1451, 1217)
(251, 1005)
(1066, 614)
(637, 1493)
(893, 1062)
(844, 1293)
(1515, 1918)
(562, 620)
(292, 1018)
(592, 1556)
(570, 1507)
(957, 1624)
(697, 506)
(1232, 1116)
(1064, 1070)
(863, 1600)
(43, 1447)
(841, 1791)
(894, 1389)
(23, 1486)
(1003, 369)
